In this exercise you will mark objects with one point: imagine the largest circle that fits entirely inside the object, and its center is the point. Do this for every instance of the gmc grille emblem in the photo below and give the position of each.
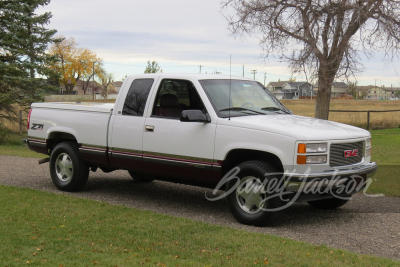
(350, 153)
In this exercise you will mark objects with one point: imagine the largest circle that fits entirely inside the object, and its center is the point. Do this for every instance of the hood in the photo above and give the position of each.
(298, 127)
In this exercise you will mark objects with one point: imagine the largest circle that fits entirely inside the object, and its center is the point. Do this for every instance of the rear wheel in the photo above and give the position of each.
(329, 204)
(249, 203)
(67, 169)
(140, 177)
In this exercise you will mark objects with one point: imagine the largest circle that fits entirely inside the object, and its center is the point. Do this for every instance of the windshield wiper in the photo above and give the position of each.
(241, 109)
(274, 109)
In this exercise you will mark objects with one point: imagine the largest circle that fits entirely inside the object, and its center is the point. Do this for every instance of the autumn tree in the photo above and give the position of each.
(106, 83)
(324, 39)
(152, 67)
(24, 38)
(74, 63)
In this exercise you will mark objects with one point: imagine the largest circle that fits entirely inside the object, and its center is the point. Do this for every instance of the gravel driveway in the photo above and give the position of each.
(364, 225)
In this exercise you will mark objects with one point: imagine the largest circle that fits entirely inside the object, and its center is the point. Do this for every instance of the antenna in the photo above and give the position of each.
(230, 82)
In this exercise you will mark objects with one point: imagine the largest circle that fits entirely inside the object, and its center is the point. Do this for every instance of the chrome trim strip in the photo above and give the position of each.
(92, 151)
(34, 143)
(88, 146)
(199, 160)
(124, 156)
(176, 162)
(116, 150)
(37, 138)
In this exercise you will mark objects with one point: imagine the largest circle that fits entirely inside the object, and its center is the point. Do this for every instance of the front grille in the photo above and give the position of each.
(337, 157)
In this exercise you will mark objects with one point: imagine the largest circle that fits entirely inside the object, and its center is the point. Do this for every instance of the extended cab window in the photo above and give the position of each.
(175, 96)
(136, 98)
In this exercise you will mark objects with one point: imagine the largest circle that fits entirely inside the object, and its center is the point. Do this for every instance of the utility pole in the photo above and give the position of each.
(254, 73)
(243, 70)
(265, 77)
(200, 68)
(93, 80)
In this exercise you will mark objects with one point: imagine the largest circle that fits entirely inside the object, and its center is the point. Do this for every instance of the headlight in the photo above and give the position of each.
(317, 159)
(313, 148)
(368, 142)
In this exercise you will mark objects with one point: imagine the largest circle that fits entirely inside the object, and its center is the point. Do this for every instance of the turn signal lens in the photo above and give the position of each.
(302, 148)
(301, 160)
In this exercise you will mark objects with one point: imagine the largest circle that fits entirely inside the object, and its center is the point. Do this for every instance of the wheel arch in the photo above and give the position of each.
(57, 137)
(237, 156)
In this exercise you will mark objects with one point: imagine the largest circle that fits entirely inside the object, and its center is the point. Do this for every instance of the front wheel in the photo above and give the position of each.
(67, 169)
(249, 202)
(329, 204)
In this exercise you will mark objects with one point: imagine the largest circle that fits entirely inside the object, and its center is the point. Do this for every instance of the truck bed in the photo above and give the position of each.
(81, 106)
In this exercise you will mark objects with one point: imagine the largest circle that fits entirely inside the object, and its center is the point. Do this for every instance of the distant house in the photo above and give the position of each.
(79, 88)
(338, 89)
(291, 90)
(279, 94)
(274, 86)
(296, 90)
(117, 85)
(372, 92)
(90, 87)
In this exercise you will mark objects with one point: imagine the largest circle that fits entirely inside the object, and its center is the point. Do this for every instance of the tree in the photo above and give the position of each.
(24, 73)
(74, 63)
(152, 67)
(353, 89)
(106, 83)
(326, 38)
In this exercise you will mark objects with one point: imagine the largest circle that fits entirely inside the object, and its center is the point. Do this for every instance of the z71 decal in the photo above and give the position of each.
(36, 126)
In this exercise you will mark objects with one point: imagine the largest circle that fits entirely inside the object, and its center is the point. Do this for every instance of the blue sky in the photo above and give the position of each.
(180, 35)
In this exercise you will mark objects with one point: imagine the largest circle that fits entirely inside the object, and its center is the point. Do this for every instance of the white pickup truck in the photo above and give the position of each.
(221, 132)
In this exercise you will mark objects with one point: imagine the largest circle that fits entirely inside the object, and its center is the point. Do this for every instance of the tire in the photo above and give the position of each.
(141, 178)
(328, 204)
(67, 169)
(244, 206)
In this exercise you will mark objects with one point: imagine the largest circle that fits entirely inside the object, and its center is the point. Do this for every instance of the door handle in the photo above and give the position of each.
(149, 128)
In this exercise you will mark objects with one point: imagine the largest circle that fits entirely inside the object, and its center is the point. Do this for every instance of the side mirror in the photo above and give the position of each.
(195, 116)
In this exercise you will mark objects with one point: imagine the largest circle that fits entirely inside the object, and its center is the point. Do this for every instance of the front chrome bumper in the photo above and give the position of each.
(329, 182)
(367, 169)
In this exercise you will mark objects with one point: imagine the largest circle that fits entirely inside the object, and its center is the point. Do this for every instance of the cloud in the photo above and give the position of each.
(179, 34)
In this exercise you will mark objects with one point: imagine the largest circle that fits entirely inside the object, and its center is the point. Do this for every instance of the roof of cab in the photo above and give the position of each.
(198, 76)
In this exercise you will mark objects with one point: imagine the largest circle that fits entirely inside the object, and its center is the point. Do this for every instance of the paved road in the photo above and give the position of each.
(364, 225)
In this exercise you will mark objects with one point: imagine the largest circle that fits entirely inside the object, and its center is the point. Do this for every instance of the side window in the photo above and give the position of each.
(175, 96)
(136, 98)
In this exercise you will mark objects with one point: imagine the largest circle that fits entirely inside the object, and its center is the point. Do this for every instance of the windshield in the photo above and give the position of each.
(246, 98)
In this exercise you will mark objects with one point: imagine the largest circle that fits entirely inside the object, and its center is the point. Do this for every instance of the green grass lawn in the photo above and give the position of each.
(386, 153)
(45, 229)
(13, 146)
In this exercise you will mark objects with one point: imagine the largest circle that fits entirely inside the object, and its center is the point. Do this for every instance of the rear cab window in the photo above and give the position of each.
(136, 98)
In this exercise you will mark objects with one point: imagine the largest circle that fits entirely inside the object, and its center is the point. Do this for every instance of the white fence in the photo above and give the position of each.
(52, 98)
(110, 96)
